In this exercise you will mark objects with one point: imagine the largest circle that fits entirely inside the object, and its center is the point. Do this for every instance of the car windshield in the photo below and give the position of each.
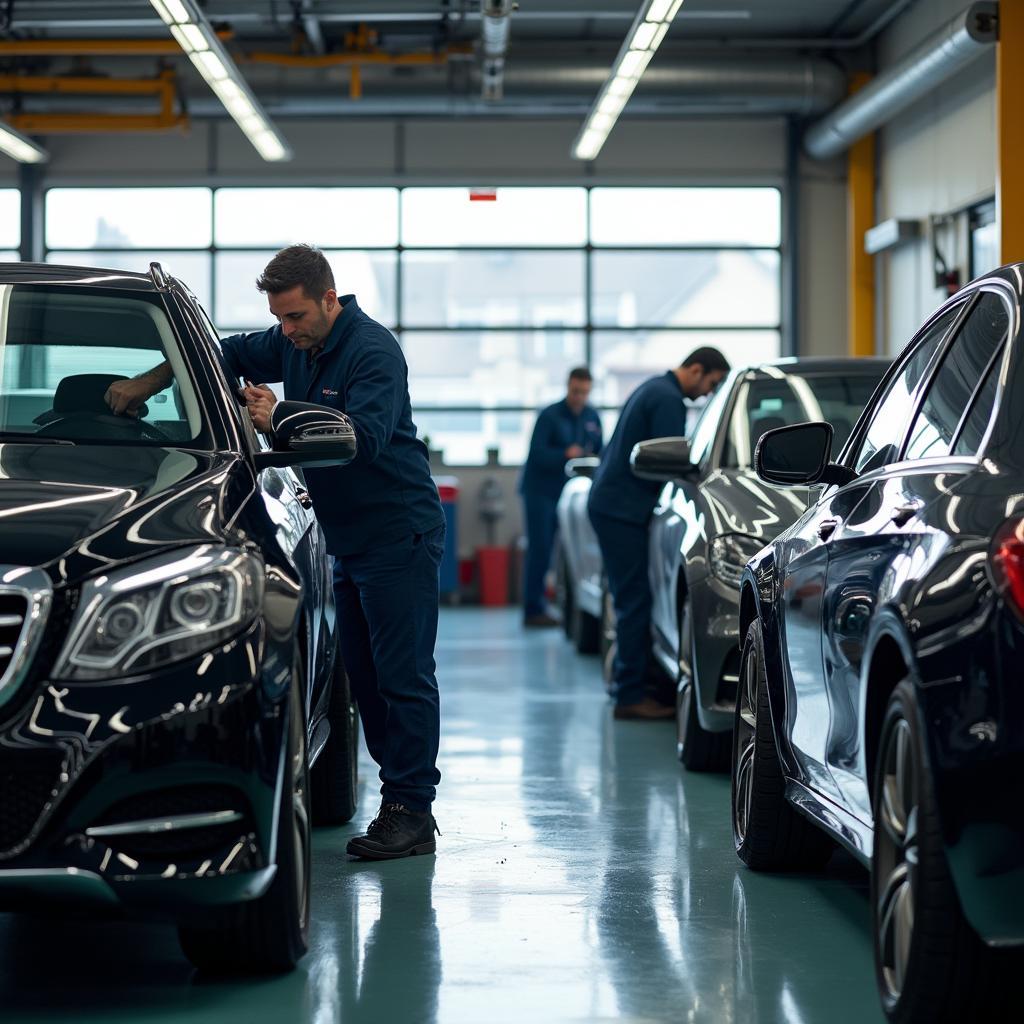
(778, 401)
(61, 350)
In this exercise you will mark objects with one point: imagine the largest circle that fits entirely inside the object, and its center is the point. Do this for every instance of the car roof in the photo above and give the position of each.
(819, 364)
(54, 273)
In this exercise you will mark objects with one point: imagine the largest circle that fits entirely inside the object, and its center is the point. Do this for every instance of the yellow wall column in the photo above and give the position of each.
(1010, 131)
(860, 215)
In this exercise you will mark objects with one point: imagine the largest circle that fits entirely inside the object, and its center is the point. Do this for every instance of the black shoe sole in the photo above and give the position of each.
(369, 854)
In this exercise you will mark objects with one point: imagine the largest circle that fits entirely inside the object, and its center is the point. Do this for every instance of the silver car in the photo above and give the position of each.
(714, 514)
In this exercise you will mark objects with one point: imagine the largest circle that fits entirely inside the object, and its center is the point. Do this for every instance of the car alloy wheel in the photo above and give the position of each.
(300, 814)
(697, 748)
(745, 742)
(897, 857)
(609, 645)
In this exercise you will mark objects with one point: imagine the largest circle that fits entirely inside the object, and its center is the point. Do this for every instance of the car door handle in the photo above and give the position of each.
(902, 515)
(827, 527)
(303, 498)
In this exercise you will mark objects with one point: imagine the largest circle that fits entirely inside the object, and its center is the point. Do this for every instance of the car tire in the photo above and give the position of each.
(768, 832)
(269, 934)
(608, 645)
(586, 631)
(929, 963)
(334, 775)
(564, 592)
(698, 749)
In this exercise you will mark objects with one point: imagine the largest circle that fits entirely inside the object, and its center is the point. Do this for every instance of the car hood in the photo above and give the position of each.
(74, 510)
(738, 502)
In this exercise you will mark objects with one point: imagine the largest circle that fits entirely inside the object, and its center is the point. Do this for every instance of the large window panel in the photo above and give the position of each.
(624, 359)
(685, 216)
(191, 268)
(516, 216)
(465, 435)
(453, 288)
(370, 275)
(122, 218)
(686, 289)
(326, 217)
(10, 218)
(486, 368)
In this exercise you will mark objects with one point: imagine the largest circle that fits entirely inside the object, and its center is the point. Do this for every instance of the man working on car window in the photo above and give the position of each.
(620, 506)
(566, 430)
(380, 514)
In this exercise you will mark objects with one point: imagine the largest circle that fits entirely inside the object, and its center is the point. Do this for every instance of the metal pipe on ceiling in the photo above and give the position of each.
(944, 53)
(495, 27)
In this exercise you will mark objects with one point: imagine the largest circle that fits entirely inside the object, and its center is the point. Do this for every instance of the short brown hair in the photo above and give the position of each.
(710, 358)
(580, 373)
(295, 265)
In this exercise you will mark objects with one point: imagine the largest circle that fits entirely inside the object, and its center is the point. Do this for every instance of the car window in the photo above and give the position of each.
(62, 347)
(767, 403)
(706, 428)
(963, 366)
(972, 433)
(881, 442)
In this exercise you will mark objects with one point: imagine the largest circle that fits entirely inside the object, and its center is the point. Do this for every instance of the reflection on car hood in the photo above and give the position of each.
(739, 502)
(73, 510)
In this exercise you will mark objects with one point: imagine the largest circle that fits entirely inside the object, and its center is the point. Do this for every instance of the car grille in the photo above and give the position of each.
(13, 609)
(28, 781)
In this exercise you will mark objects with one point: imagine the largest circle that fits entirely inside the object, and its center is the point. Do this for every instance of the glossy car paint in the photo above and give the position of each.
(216, 721)
(901, 586)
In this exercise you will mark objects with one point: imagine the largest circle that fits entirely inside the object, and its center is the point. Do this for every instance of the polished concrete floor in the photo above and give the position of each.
(581, 877)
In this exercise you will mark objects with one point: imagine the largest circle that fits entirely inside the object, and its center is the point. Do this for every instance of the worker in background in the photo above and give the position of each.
(569, 429)
(620, 507)
(380, 514)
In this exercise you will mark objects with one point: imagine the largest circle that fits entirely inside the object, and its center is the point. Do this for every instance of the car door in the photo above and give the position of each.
(900, 526)
(835, 520)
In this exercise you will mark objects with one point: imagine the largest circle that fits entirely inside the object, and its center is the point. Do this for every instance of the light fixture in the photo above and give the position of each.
(195, 35)
(20, 147)
(644, 37)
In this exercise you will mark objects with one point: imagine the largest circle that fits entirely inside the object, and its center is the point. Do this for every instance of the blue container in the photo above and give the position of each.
(448, 491)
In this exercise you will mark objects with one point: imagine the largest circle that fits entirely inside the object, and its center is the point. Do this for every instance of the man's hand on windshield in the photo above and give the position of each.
(260, 402)
(126, 397)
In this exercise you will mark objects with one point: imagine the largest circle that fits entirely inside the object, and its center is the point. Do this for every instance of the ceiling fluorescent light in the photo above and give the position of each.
(20, 147)
(644, 37)
(191, 28)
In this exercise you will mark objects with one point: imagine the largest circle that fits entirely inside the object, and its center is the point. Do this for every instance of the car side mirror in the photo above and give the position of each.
(662, 459)
(586, 466)
(308, 435)
(798, 456)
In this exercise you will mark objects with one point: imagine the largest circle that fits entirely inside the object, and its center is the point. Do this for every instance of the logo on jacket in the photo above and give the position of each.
(330, 393)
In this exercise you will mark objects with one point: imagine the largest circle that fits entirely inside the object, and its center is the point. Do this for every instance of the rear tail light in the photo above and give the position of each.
(1006, 559)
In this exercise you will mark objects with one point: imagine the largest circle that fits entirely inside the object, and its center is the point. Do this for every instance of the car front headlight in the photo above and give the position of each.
(159, 611)
(730, 553)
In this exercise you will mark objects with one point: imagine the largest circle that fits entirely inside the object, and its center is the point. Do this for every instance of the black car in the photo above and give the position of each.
(713, 514)
(880, 702)
(167, 630)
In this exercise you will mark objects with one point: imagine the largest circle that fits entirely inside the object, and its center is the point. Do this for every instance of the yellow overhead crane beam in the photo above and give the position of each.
(164, 87)
(95, 47)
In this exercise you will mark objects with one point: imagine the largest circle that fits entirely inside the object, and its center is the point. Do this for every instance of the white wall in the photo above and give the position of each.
(936, 158)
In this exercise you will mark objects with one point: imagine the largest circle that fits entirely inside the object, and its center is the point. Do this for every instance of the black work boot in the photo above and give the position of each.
(396, 832)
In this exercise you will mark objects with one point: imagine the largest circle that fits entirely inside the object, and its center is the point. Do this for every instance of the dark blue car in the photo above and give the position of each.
(881, 703)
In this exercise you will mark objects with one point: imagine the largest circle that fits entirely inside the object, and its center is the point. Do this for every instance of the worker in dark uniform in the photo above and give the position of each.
(380, 514)
(620, 507)
(566, 430)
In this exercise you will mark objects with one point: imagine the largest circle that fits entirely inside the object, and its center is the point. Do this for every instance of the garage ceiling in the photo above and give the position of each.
(720, 57)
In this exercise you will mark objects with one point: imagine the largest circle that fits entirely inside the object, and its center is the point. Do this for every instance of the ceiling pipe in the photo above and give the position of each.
(944, 53)
(496, 24)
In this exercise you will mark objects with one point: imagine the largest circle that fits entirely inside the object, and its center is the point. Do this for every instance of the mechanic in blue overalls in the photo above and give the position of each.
(620, 507)
(566, 430)
(381, 517)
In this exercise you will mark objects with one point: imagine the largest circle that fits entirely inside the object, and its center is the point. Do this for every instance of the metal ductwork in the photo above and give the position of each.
(496, 23)
(936, 60)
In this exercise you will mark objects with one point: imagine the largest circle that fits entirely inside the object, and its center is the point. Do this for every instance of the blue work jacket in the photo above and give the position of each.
(655, 409)
(556, 429)
(386, 493)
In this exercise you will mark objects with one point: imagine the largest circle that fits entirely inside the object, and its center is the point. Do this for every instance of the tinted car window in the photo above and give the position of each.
(973, 432)
(61, 348)
(954, 383)
(881, 443)
(795, 398)
(706, 428)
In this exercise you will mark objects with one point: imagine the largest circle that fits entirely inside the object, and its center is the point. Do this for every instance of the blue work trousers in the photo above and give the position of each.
(625, 556)
(387, 602)
(541, 526)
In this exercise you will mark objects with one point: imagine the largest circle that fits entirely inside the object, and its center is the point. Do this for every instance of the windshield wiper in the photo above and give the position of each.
(19, 437)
